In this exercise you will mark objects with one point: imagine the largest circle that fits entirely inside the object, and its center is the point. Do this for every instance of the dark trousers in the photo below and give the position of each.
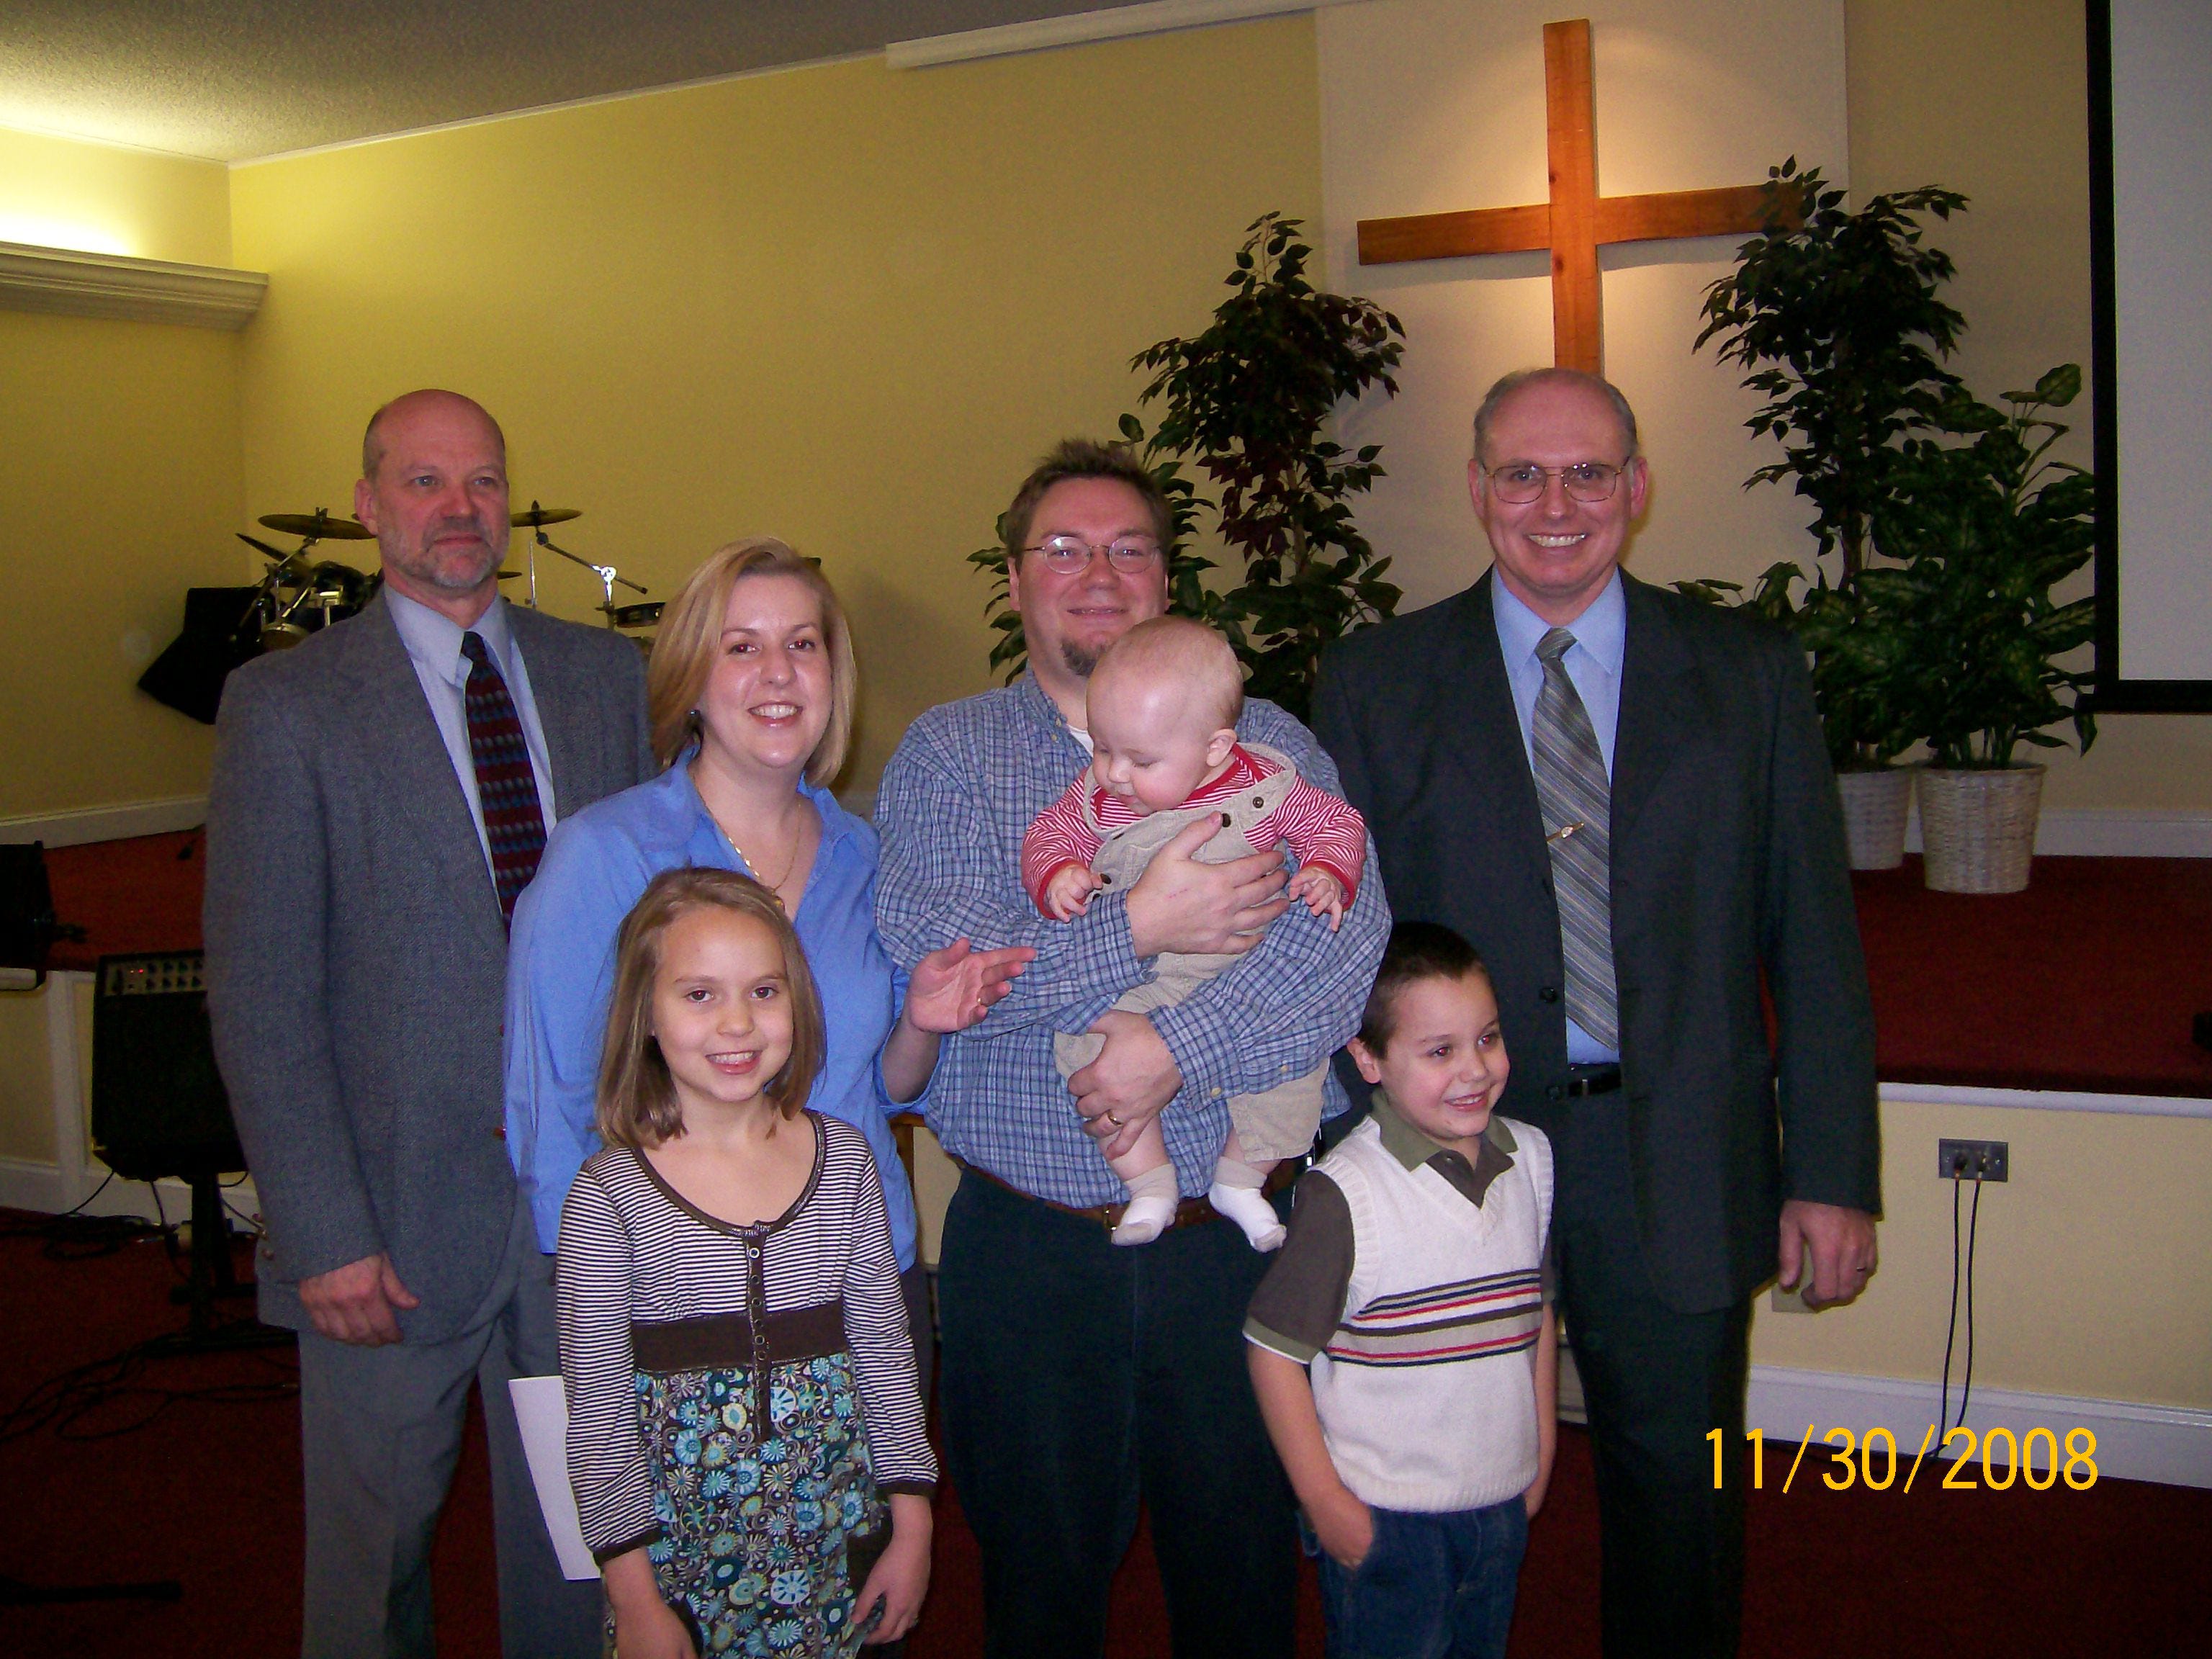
(1656, 1383)
(1430, 1586)
(1075, 1379)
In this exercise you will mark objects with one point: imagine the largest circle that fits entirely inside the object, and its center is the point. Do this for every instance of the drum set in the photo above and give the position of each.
(298, 596)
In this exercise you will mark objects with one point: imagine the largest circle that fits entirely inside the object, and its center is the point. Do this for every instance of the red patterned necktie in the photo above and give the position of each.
(506, 789)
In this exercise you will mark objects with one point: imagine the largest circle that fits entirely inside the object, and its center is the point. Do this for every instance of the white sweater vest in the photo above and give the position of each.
(1426, 1391)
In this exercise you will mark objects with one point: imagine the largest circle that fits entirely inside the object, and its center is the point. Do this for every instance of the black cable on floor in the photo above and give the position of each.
(64, 1403)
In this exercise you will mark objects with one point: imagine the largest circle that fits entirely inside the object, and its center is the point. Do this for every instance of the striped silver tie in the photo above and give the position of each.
(1577, 801)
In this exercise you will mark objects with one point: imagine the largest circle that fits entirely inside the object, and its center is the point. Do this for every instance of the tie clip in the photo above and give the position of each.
(1566, 831)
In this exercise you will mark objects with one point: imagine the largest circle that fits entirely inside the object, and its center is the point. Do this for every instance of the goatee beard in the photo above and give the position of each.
(1079, 660)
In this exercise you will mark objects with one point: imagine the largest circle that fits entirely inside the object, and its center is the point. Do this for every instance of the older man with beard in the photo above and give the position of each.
(382, 794)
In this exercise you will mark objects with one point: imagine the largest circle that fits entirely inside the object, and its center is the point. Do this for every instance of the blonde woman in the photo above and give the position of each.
(751, 691)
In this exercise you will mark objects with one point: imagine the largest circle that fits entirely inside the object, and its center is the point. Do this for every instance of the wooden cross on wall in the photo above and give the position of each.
(1577, 220)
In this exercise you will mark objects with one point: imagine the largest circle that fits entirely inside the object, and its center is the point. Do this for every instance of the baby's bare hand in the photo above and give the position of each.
(1067, 895)
(1321, 893)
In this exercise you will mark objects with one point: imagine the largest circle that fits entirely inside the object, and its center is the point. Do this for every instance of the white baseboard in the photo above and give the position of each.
(80, 825)
(2170, 1444)
(2046, 1100)
(41, 1186)
(2112, 833)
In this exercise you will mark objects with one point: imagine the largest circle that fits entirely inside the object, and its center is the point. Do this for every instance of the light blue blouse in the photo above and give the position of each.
(560, 975)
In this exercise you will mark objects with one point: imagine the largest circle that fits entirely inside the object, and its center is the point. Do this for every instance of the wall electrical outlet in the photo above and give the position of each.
(1972, 1160)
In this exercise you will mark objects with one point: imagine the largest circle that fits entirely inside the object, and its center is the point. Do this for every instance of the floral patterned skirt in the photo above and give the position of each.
(769, 1529)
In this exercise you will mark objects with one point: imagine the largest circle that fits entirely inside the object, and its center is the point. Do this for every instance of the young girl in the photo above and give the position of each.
(744, 1427)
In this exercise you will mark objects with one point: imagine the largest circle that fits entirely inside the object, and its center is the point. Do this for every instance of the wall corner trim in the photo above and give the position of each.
(1078, 28)
(54, 279)
(80, 825)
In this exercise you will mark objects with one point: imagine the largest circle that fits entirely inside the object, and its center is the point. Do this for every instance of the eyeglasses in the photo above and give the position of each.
(1586, 481)
(1070, 555)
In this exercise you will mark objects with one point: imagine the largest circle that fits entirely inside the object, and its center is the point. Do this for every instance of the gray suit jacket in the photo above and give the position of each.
(1729, 880)
(356, 958)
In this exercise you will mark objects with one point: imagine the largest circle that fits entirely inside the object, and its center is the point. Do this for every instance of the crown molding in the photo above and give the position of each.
(142, 290)
(1117, 22)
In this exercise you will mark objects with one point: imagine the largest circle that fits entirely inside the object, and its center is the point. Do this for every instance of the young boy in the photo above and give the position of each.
(1402, 1345)
(1162, 707)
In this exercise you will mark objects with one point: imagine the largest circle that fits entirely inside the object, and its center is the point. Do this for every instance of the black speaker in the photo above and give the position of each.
(158, 1104)
(220, 633)
(27, 926)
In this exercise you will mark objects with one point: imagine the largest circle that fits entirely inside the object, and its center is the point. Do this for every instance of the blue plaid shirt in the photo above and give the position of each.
(967, 781)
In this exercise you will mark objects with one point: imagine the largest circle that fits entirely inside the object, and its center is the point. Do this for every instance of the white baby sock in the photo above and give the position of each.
(1153, 1197)
(1238, 1193)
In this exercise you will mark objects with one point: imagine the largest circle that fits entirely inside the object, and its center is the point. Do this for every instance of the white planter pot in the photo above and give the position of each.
(1978, 826)
(1876, 802)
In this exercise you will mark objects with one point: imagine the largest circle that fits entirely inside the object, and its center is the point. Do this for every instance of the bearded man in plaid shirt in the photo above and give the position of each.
(1079, 1378)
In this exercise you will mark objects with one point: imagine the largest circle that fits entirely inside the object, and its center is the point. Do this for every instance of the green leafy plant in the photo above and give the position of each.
(1836, 316)
(1973, 539)
(1839, 322)
(1244, 404)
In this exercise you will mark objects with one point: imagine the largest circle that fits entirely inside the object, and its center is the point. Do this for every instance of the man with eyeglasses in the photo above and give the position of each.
(1621, 797)
(1077, 1378)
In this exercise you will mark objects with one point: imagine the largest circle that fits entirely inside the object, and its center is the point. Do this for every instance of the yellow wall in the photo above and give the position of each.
(846, 305)
(1991, 101)
(119, 483)
(103, 198)
(2093, 1276)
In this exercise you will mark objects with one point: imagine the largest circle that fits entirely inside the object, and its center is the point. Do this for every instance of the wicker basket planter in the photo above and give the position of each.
(1978, 826)
(1875, 804)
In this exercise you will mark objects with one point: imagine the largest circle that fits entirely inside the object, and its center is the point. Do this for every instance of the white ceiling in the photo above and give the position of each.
(233, 79)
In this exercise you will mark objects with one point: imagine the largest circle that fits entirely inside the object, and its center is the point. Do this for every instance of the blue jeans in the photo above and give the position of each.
(1429, 1587)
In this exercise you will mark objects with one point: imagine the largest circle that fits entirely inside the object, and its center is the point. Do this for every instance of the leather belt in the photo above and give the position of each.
(1189, 1213)
(1585, 1080)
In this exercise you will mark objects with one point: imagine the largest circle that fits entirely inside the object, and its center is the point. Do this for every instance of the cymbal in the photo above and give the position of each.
(508, 575)
(534, 516)
(318, 524)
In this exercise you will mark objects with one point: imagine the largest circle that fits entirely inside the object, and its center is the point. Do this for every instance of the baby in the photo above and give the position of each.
(1162, 705)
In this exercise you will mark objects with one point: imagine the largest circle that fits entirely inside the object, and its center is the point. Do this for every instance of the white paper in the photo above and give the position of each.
(541, 1408)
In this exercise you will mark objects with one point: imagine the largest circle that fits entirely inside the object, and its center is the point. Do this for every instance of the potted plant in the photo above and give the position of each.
(1836, 314)
(1974, 539)
(1244, 402)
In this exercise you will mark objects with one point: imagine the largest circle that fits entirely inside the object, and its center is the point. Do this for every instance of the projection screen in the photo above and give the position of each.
(2150, 137)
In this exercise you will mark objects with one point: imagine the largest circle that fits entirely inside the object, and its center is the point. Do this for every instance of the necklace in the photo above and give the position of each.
(774, 888)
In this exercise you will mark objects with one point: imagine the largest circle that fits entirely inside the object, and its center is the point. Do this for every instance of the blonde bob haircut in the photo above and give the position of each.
(691, 637)
(637, 1103)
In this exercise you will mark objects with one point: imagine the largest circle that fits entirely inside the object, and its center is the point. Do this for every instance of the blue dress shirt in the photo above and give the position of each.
(561, 977)
(434, 645)
(1593, 662)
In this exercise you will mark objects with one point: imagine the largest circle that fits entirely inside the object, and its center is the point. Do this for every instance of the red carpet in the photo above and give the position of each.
(1966, 989)
(209, 1494)
(2085, 981)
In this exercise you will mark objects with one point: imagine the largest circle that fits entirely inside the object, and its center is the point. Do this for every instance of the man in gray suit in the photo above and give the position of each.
(1622, 798)
(380, 795)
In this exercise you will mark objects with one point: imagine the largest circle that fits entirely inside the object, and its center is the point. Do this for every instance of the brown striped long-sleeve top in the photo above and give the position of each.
(645, 1281)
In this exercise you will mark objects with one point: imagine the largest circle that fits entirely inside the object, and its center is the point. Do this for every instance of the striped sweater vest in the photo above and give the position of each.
(1426, 1390)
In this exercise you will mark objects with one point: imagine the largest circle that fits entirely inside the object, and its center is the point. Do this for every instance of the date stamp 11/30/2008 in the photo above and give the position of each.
(2033, 1461)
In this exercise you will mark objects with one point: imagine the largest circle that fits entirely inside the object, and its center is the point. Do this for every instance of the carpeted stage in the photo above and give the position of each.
(2085, 983)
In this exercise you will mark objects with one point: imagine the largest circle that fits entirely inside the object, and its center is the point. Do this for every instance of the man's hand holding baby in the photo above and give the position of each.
(1181, 904)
